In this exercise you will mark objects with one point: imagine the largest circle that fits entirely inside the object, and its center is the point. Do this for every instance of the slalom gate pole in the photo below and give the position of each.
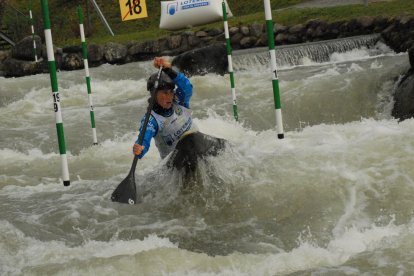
(33, 35)
(55, 91)
(275, 79)
(230, 61)
(88, 79)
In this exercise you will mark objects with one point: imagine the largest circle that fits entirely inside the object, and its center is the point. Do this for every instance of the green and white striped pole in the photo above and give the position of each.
(88, 79)
(230, 61)
(33, 35)
(55, 92)
(275, 79)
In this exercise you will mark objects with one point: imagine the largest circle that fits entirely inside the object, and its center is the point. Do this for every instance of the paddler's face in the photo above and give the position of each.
(165, 98)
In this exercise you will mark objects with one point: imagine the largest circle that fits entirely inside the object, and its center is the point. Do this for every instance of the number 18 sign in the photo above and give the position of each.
(133, 9)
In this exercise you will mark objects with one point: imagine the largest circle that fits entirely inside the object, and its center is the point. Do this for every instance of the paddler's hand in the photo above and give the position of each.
(137, 149)
(162, 61)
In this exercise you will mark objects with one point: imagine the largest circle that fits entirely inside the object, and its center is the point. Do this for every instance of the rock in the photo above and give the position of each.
(366, 22)
(262, 41)
(201, 34)
(214, 32)
(174, 41)
(115, 53)
(256, 29)
(210, 59)
(95, 54)
(235, 39)
(297, 29)
(18, 68)
(24, 48)
(233, 30)
(314, 23)
(245, 30)
(278, 28)
(4, 55)
(72, 49)
(281, 39)
(149, 49)
(72, 61)
(193, 40)
(404, 98)
(183, 47)
(411, 56)
(406, 21)
(247, 42)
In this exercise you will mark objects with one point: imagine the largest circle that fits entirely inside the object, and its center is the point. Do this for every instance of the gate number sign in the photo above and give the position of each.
(133, 9)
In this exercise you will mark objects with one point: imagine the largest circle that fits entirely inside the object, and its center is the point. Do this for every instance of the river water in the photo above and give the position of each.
(332, 198)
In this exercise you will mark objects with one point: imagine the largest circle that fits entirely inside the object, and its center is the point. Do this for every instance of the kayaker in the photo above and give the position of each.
(171, 120)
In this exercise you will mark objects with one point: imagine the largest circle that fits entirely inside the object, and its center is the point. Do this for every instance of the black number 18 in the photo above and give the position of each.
(136, 6)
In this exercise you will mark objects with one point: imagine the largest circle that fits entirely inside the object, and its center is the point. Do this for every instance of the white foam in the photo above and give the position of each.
(31, 252)
(155, 255)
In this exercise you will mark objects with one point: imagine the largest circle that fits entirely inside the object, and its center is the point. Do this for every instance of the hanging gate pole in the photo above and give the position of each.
(275, 79)
(230, 61)
(33, 35)
(55, 92)
(102, 17)
(88, 79)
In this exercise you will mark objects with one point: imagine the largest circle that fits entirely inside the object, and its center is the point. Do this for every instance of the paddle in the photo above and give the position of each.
(126, 192)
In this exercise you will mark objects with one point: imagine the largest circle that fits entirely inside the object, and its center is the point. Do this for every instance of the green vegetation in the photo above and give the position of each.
(65, 26)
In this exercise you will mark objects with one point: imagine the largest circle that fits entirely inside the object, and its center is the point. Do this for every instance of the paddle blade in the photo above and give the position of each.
(126, 192)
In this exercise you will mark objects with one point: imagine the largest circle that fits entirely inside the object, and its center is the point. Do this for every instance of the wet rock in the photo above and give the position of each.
(404, 98)
(233, 30)
(235, 39)
(201, 34)
(194, 40)
(72, 61)
(18, 68)
(256, 29)
(210, 59)
(245, 30)
(174, 41)
(72, 49)
(296, 29)
(411, 56)
(95, 54)
(115, 53)
(23, 49)
(247, 42)
(278, 28)
(214, 31)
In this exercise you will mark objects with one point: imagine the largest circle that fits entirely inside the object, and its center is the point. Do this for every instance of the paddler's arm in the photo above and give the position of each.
(184, 89)
(152, 129)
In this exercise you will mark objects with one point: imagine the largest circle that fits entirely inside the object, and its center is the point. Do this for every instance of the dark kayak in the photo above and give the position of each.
(184, 159)
(193, 148)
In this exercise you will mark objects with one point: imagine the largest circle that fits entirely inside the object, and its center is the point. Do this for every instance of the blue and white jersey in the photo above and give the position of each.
(169, 127)
(172, 128)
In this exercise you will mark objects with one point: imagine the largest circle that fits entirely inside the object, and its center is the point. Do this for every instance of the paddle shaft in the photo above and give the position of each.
(126, 192)
(146, 120)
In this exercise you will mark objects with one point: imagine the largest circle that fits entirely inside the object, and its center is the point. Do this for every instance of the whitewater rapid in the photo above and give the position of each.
(333, 197)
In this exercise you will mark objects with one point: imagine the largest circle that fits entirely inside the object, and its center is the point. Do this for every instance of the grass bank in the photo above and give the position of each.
(65, 26)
